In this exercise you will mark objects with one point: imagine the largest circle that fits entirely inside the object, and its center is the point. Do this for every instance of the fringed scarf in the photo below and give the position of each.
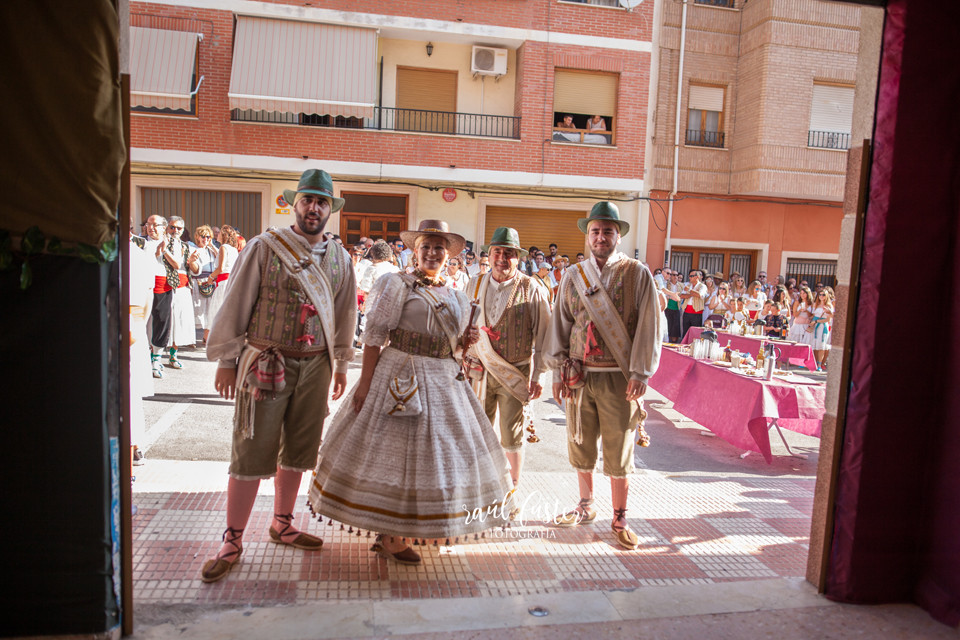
(259, 372)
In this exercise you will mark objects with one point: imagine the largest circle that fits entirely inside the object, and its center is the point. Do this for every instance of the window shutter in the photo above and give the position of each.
(428, 89)
(832, 108)
(586, 93)
(705, 98)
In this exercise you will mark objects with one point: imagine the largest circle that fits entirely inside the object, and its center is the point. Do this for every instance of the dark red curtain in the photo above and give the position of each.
(897, 527)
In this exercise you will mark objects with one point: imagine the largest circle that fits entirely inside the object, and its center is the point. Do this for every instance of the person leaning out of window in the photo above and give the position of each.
(594, 125)
(566, 130)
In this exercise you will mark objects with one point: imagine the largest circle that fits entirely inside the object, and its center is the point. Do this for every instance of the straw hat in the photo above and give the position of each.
(455, 242)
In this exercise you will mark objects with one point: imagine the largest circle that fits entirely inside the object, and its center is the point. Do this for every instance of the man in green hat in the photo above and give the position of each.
(285, 329)
(604, 345)
(513, 315)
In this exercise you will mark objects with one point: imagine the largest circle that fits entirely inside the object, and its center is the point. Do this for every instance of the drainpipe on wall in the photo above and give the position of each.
(676, 138)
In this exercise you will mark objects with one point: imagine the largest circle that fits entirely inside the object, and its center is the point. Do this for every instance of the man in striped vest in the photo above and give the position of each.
(513, 315)
(285, 329)
(604, 344)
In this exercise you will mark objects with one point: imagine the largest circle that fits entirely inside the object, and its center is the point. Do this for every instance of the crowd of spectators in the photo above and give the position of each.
(784, 309)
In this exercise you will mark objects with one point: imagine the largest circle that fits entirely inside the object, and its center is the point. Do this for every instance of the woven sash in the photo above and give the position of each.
(505, 373)
(603, 313)
(309, 275)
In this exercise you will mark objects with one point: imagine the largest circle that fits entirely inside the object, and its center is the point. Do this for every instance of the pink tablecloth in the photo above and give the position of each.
(738, 408)
(799, 354)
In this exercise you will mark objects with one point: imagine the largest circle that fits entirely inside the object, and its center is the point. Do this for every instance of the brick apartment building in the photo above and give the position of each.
(766, 94)
(419, 109)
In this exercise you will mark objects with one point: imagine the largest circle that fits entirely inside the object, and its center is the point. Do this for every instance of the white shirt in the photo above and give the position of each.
(404, 258)
(361, 266)
(373, 272)
(150, 248)
(754, 304)
(689, 288)
(458, 281)
(473, 269)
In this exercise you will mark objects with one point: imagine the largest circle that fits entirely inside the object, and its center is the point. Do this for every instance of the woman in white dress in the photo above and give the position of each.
(800, 330)
(225, 261)
(822, 326)
(414, 458)
(201, 263)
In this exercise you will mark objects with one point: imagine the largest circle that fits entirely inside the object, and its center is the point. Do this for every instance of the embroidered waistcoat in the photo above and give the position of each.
(515, 326)
(282, 316)
(623, 293)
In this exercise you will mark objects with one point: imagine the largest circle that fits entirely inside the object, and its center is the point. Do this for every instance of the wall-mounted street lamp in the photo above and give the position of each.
(429, 49)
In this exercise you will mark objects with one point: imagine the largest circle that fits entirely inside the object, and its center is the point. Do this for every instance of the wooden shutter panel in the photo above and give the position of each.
(832, 108)
(427, 89)
(586, 93)
(539, 227)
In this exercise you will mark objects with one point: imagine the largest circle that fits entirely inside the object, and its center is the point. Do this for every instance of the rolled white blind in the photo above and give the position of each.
(705, 98)
(832, 108)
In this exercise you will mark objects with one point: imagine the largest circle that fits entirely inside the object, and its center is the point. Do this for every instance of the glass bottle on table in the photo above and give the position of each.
(760, 356)
(727, 353)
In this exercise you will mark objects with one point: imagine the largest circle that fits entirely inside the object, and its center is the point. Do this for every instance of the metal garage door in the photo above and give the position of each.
(239, 209)
(539, 227)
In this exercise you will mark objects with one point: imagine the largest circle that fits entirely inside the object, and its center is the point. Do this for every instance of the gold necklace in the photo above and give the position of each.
(426, 280)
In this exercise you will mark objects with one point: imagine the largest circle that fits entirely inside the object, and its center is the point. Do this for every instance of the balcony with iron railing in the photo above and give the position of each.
(393, 119)
(701, 138)
(828, 140)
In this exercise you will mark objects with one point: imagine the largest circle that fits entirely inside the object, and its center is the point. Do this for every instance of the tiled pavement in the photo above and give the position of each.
(694, 530)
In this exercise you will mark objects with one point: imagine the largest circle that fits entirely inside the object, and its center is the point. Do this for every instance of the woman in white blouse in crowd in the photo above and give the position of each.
(800, 330)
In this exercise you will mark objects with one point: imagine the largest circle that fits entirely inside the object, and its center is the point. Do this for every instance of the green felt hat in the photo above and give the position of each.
(316, 182)
(604, 211)
(508, 239)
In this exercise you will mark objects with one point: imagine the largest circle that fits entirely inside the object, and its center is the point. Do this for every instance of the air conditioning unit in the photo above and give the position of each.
(488, 61)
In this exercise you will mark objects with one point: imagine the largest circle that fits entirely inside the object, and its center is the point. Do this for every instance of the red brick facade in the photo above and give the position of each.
(212, 130)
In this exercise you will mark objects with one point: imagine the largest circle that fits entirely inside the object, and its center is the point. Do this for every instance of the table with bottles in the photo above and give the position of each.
(737, 407)
(792, 352)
